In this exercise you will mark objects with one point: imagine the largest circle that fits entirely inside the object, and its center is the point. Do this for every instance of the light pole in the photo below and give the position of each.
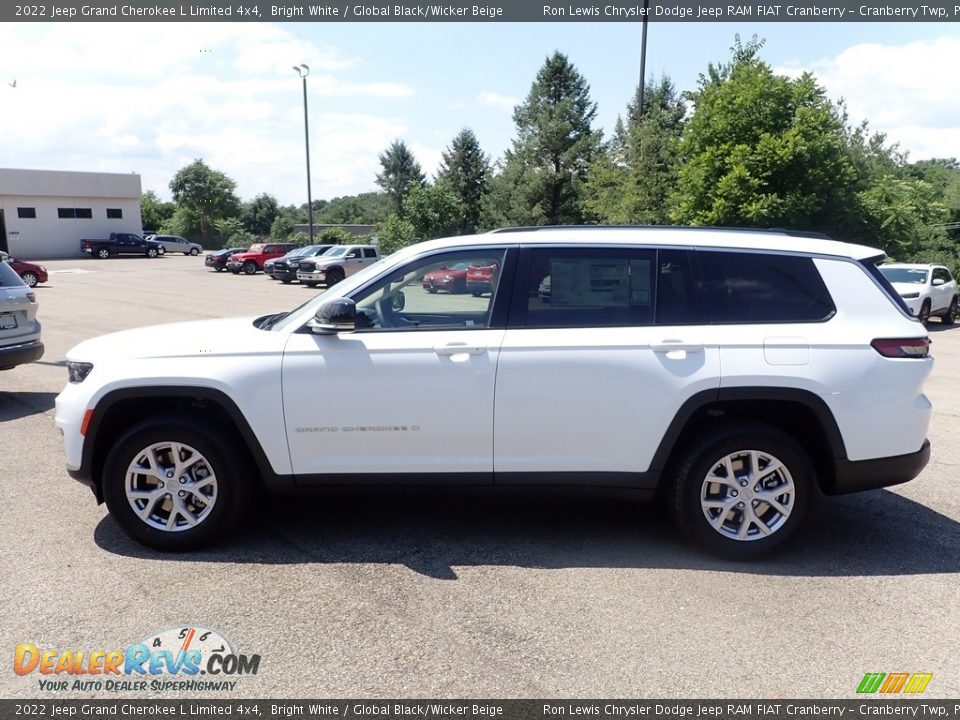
(643, 60)
(303, 71)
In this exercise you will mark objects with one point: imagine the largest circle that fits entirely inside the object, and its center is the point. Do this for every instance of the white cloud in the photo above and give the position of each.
(911, 92)
(225, 93)
(492, 99)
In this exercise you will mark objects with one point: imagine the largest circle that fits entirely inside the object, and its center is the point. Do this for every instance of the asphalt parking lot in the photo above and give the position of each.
(464, 596)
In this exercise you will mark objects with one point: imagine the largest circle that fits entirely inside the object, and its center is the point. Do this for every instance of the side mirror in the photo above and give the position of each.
(937, 282)
(398, 301)
(334, 316)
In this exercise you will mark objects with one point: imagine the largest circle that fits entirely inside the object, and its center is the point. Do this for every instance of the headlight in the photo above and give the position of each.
(77, 371)
(910, 296)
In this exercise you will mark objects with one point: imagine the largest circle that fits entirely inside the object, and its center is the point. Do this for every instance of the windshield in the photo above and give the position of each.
(256, 248)
(916, 276)
(336, 251)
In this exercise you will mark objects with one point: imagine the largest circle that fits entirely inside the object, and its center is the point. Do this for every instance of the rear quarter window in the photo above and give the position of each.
(742, 287)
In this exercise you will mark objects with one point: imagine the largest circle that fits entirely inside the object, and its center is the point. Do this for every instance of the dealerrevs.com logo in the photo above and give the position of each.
(181, 659)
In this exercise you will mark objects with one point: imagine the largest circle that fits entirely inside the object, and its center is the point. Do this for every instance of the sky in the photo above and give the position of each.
(150, 98)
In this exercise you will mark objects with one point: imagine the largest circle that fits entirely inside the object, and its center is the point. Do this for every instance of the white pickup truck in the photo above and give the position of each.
(334, 265)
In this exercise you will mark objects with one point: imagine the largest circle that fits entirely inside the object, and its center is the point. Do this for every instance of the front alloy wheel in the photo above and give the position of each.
(174, 482)
(743, 491)
(249, 267)
(171, 486)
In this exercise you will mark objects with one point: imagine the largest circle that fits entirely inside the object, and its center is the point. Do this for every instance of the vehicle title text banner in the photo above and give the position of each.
(121, 709)
(480, 11)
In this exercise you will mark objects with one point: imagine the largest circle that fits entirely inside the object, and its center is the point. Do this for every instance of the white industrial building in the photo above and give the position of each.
(46, 213)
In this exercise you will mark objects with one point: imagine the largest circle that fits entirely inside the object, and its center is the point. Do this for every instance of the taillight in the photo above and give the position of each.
(902, 347)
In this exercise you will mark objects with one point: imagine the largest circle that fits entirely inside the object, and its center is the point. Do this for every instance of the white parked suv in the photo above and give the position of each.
(739, 373)
(928, 290)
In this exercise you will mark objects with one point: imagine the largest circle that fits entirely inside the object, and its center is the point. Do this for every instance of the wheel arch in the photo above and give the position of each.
(121, 408)
(799, 413)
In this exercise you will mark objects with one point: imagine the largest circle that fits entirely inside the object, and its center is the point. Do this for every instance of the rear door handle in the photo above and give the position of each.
(460, 349)
(665, 346)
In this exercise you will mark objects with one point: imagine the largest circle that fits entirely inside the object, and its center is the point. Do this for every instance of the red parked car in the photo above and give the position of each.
(31, 273)
(253, 259)
(481, 278)
(452, 278)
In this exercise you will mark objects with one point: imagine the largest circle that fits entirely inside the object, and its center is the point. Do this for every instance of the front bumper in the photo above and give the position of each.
(20, 354)
(284, 273)
(855, 476)
(316, 276)
(234, 266)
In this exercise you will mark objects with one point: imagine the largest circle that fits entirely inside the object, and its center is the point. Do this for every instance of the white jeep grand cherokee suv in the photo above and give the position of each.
(740, 373)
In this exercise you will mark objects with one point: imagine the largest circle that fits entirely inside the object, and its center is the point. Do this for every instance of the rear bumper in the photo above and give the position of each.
(854, 476)
(20, 354)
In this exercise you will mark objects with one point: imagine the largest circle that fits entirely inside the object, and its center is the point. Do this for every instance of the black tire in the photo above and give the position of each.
(476, 293)
(103, 253)
(194, 252)
(950, 316)
(236, 272)
(234, 484)
(286, 281)
(250, 268)
(218, 269)
(924, 315)
(30, 279)
(432, 290)
(309, 283)
(704, 457)
(152, 252)
(334, 275)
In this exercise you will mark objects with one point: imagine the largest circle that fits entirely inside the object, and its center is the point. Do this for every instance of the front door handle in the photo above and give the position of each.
(460, 349)
(665, 346)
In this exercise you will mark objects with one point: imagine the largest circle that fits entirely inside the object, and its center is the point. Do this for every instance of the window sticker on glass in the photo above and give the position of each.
(583, 282)
(640, 292)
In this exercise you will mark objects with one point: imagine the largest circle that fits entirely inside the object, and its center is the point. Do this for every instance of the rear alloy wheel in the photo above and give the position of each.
(152, 252)
(29, 279)
(250, 267)
(194, 251)
(103, 253)
(173, 484)
(950, 317)
(743, 492)
(924, 314)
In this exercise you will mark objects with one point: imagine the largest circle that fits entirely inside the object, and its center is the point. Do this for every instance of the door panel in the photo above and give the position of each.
(391, 402)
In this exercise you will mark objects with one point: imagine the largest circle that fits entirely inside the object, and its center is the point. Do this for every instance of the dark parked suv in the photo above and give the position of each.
(284, 268)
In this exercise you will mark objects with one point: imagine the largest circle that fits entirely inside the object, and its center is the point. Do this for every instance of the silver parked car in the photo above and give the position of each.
(176, 244)
(19, 328)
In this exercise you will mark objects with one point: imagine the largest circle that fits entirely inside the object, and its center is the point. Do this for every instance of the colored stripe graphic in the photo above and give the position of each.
(871, 682)
(912, 683)
(918, 682)
(894, 683)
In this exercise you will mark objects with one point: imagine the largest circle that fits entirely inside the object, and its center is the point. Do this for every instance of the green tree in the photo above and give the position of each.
(232, 232)
(763, 150)
(363, 209)
(281, 227)
(899, 213)
(335, 236)
(433, 211)
(631, 181)
(393, 234)
(153, 211)
(542, 175)
(465, 170)
(203, 196)
(401, 173)
(258, 216)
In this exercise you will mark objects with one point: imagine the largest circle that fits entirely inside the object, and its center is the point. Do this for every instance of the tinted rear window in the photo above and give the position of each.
(741, 287)
(8, 276)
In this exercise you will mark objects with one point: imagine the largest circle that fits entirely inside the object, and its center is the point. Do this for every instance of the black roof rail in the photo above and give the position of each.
(770, 231)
